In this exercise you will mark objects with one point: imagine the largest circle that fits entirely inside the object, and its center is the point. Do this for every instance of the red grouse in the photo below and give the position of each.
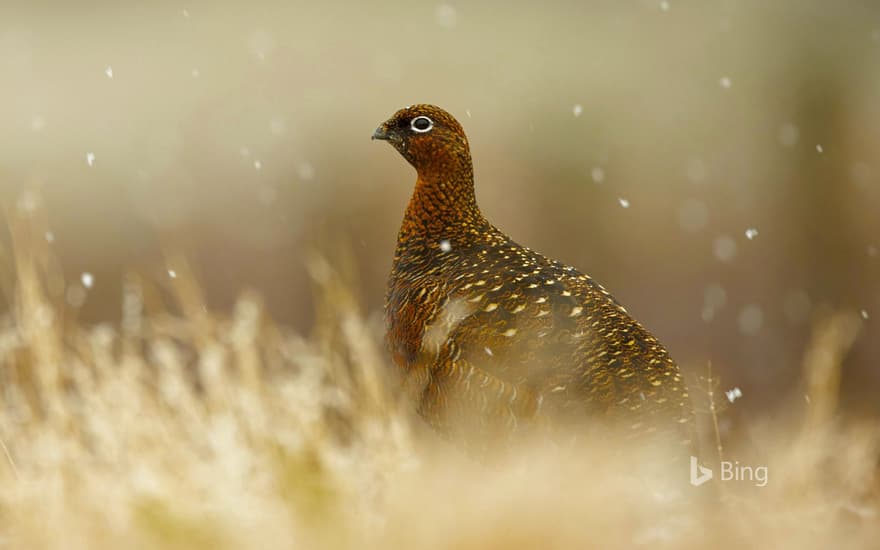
(494, 337)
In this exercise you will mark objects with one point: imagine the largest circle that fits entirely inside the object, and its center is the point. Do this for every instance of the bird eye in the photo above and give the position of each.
(421, 124)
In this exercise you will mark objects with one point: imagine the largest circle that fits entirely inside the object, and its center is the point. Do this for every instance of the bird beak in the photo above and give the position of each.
(381, 133)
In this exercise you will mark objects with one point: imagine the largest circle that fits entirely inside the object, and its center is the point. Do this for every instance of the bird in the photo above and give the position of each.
(495, 339)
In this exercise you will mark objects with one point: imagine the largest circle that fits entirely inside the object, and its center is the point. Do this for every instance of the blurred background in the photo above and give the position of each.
(712, 163)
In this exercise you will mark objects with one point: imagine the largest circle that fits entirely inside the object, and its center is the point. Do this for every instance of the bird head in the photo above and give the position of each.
(428, 137)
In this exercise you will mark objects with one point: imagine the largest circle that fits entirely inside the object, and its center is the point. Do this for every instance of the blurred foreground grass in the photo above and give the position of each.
(197, 429)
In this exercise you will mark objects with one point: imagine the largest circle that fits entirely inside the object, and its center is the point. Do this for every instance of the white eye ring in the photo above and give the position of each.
(421, 130)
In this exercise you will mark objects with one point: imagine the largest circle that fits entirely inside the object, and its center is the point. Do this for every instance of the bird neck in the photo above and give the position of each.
(442, 204)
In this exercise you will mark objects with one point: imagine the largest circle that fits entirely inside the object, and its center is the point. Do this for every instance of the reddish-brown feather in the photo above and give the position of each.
(498, 337)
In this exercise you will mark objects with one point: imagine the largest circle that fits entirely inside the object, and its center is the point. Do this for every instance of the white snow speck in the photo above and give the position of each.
(50, 237)
(725, 82)
(244, 151)
(733, 394)
(577, 110)
(467, 112)
(90, 159)
(87, 279)
(872, 251)
(172, 273)
(664, 5)
(109, 71)
(819, 148)
(724, 248)
(185, 12)
(598, 174)
(864, 314)
(751, 319)
(258, 165)
(693, 215)
(445, 246)
(751, 233)
(488, 351)
(446, 16)
(624, 203)
(195, 73)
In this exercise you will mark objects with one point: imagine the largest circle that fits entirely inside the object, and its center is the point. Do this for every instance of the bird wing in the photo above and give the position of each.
(550, 330)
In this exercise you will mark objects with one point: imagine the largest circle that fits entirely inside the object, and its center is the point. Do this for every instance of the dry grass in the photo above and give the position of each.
(200, 430)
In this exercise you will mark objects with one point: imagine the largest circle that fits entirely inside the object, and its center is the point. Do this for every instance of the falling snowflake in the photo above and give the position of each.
(258, 165)
(172, 273)
(819, 148)
(664, 5)
(577, 110)
(50, 237)
(488, 351)
(87, 279)
(109, 71)
(725, 82)
(185, 12)
(195, 73)
(864, 314)
(90, 159)
(445, 246)
(751, 233)
(598, 174)
(623, 202)
(733, 394)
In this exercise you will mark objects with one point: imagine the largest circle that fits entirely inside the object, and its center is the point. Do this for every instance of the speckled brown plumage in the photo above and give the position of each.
(494, 336)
